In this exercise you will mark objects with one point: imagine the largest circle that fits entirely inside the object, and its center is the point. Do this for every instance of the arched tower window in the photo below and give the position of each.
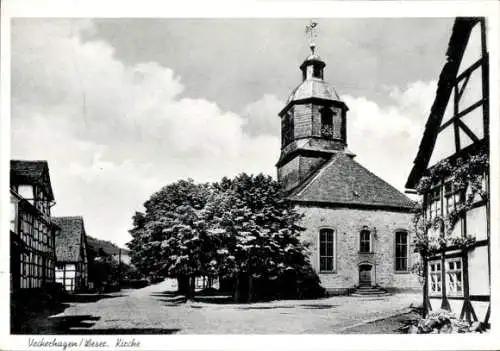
(287, 129)
(327, 250)
(326, 123)
(401, 254)
(365, 241)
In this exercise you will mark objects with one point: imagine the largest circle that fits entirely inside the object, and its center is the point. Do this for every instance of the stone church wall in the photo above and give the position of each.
(347, 224)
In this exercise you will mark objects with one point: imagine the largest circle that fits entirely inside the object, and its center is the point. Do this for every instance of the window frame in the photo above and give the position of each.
(407, 251)
(449, 271)
(334, 250)
(361, 241)
(434, 201)
(439, 281)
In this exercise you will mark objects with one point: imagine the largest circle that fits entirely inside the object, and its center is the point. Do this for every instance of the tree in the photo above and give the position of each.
(166, 238)
(260, 230)
(241, 229)
(103, 270)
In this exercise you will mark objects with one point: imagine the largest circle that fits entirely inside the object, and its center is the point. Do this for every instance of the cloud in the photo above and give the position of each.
(386, 138)
(115, 133)
(262, 116)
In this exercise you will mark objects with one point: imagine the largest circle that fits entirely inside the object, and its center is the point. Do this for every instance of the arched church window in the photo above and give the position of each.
(401, 257)
(364, 241)
(326, 250)
(327, 123)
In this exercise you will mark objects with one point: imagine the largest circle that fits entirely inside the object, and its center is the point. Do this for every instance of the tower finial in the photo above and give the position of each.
(311, 33)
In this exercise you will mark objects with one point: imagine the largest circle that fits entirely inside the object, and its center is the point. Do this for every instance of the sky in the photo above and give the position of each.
(121, 107)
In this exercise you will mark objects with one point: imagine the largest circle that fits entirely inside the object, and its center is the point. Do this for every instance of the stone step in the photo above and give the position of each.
(370, 295)
(369, 291)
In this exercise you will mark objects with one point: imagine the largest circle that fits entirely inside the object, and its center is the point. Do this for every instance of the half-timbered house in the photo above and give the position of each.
(32, 251)
(451, 173)
(71, 252)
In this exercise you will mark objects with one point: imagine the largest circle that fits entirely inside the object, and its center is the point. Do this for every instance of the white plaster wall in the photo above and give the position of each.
(480, 307)
(476, 223)
(478, 271)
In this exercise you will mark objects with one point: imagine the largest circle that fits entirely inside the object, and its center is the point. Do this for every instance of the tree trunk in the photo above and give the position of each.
(190, 287)
(250, 288)
(184, 286)
(236, 291)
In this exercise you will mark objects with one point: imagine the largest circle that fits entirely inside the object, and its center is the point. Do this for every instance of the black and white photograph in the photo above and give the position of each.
(254, 175)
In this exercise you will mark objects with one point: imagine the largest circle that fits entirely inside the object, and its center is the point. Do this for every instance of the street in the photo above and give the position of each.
(157, 310)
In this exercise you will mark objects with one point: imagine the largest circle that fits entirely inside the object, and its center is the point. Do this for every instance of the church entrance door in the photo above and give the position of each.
(365, 275)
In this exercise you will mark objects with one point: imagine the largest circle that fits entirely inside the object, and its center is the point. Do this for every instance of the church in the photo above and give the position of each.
(359, 227)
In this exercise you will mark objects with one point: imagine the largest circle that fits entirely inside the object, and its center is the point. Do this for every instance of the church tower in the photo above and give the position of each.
(313, 125)
(359, 227)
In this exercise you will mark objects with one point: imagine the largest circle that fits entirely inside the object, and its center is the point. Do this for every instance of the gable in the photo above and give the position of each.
(459, 114)
(31, 173)
(69, 239)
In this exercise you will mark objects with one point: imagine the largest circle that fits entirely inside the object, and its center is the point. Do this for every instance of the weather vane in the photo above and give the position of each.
(311, 33)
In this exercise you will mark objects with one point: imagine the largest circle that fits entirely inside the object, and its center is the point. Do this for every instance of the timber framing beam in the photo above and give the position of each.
(463, 113)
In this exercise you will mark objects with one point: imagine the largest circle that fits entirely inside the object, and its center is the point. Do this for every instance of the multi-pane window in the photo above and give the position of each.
(449, 198)
(364, 241)
(434, 202)
(452, 196)
(435, 278)
(454, 282)
(326, 250)
(401, 251)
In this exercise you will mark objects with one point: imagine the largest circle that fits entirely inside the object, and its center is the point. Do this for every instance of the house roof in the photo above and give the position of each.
(343, 181)
(69, 239)
(456, 48)
(31, 173)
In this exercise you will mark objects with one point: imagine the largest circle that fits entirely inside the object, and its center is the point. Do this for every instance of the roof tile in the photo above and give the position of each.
(344, 181)
(69, 239)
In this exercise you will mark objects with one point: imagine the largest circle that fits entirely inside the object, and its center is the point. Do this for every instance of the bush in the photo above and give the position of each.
(444, 322)
(309, 284)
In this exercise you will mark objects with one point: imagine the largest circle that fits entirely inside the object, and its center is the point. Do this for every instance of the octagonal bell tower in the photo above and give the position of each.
(313, 125)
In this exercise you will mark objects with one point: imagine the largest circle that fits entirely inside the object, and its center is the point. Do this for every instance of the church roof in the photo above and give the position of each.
(341, 180)
(313, 87)
(69, 239)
